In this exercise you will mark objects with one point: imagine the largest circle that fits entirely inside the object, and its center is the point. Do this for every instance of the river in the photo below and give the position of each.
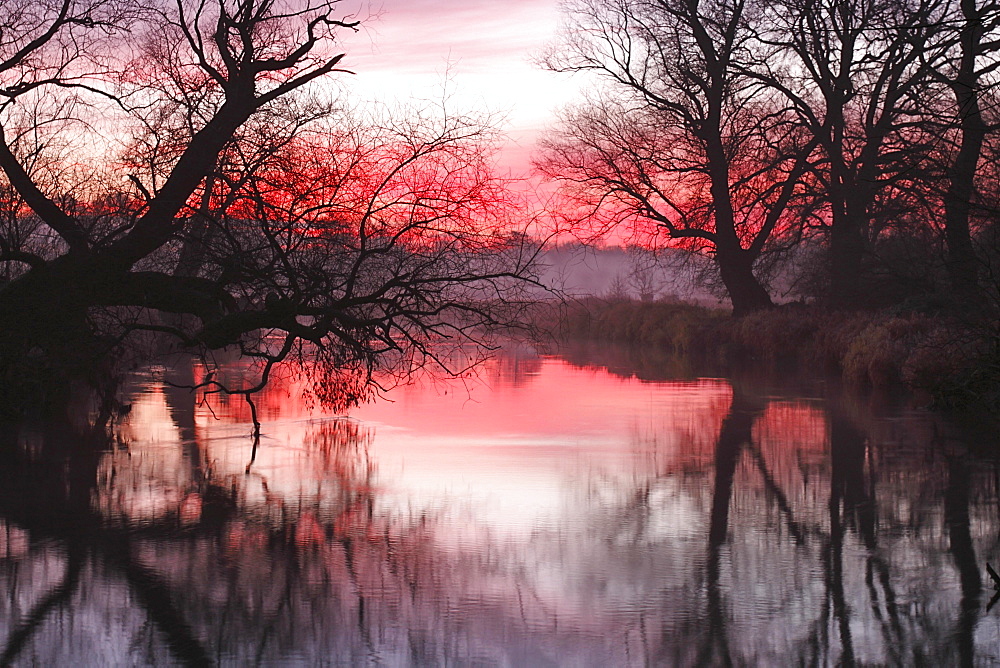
(575, 509)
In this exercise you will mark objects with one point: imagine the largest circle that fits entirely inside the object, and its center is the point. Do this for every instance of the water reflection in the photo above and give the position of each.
(546, 513)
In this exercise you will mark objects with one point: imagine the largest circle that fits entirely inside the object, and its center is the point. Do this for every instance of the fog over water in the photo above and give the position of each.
(634, 272)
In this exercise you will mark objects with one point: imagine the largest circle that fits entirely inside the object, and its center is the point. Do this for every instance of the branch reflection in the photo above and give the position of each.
(737, 526)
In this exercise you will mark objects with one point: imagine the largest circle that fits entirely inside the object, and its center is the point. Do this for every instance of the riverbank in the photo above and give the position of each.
(954, 362)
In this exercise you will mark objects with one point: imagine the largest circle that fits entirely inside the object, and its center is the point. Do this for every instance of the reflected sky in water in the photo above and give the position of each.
(542, 513)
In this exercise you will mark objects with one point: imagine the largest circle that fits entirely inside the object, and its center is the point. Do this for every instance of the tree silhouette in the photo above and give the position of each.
(739, 129)
(683, 138)
(181, 174)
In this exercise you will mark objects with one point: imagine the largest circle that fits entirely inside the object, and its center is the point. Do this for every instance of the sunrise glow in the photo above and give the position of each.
(539, 333)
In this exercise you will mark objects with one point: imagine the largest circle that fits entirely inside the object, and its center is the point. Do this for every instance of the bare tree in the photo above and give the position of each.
(644, 275)
(234, 211)
(683, 137)
(855, 72)
(966, 68)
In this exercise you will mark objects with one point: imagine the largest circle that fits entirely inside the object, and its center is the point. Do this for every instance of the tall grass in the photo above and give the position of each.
(955, 364)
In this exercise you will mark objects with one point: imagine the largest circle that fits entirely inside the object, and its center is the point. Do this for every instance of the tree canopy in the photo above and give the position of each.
(739, 129)
(176, 168)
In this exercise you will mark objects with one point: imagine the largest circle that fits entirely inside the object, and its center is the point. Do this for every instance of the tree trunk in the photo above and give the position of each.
(852, 193)
(847, 247)
(48, 304)
(745, 291)
(962, 171)
(735, 263)
(46, 344)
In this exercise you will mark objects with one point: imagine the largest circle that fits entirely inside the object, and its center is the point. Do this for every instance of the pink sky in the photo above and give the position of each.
(478, 51)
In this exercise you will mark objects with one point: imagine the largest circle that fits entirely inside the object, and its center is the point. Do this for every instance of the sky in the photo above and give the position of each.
(478, 52)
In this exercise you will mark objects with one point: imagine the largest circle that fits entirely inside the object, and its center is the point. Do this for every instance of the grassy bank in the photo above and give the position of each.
(956, 362)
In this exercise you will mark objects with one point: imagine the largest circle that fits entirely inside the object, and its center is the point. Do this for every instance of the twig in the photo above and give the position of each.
(993, 574)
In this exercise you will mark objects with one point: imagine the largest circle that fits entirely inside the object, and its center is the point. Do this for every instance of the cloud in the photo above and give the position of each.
(477, 52)
(411, 37)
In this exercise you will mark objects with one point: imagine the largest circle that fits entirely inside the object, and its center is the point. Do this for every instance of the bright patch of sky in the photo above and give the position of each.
(477, 52)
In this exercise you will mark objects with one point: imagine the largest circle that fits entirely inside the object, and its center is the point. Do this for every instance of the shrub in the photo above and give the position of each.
(876, 355)
(956, 364)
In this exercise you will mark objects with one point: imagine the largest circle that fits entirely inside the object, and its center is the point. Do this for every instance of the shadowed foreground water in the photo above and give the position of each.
(551, 513)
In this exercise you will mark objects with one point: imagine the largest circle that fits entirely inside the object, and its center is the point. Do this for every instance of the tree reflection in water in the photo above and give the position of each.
(732, 527)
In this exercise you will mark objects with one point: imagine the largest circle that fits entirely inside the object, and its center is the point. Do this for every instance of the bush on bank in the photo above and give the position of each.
(956, 362)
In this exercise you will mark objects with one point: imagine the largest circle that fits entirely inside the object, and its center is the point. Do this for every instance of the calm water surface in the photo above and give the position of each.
(548, 513)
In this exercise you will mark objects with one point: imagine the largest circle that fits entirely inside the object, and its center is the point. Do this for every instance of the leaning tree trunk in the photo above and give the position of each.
(735, 262)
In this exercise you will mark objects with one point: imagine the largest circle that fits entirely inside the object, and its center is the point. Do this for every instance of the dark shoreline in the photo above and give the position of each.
(951, 364)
